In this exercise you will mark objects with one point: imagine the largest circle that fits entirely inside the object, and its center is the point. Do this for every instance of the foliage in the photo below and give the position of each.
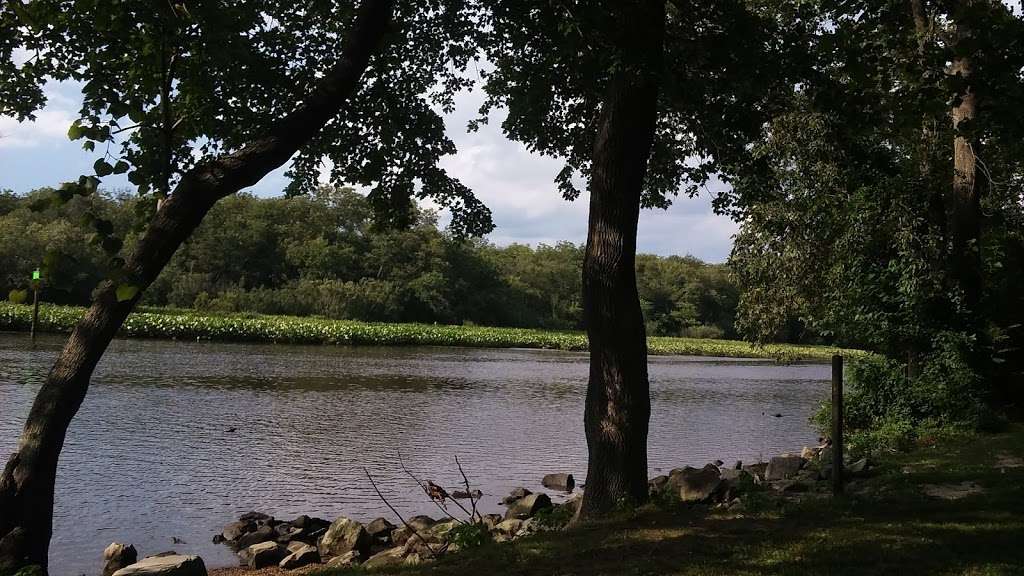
(886, 409)
(169, 86)
(850, 219)
(554, 518)
(191, 325)
(322, 255)
(469, 535)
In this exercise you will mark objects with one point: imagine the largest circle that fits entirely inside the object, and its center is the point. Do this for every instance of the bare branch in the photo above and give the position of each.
(392, 508)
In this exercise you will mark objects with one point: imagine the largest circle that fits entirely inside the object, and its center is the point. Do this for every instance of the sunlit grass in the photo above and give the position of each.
(193, 325)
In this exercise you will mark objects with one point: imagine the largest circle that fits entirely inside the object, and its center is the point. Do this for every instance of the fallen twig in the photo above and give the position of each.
(392, 508)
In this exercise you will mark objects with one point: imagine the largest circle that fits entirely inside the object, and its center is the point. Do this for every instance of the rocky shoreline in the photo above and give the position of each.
(266, 545)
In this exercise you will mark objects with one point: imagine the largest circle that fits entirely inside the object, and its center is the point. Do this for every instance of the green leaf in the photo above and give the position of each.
(76, 131)
(121, 167)
(89, 145)
(136, 115)
(103, 168)
(126, 292)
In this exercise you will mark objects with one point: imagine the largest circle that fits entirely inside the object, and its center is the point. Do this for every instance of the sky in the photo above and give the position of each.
(516, 185)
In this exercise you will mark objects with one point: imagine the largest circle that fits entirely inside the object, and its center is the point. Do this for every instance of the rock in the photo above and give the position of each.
(295, 546)
(441, 529)
(693, 485)
(218, 538)
(563, 482)
(509, 527)
(236, 530)
(572, 504)
(783, 467)
(380, 529)
(343, 536)
(858, 467)
(262, 533)
(389, 557)
(718, 463)
(302, 522)
(658, 483)
(421, 522)
(528, 506)
(301, 557)
(262, 554)
(825, 457)
(756, 470)
(173, 565)
(255, 517)
(739, 465)
(400, 535)
(286, 532)
(809, 453)
(117, 556)
(463, 495)
(492, 520)
(347, 559)
(515, 494)
(734, 476)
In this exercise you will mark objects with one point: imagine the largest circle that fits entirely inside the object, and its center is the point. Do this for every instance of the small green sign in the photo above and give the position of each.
(35, 274)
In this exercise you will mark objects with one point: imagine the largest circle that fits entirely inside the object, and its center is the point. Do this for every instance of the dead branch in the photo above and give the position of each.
(474, 516)
(415, 532)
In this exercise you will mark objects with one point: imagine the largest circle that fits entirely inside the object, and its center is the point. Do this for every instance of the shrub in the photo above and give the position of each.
(17, 296)
(887, 409)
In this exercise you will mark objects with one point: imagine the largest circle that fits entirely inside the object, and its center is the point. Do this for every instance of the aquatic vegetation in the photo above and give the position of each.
(191, 325)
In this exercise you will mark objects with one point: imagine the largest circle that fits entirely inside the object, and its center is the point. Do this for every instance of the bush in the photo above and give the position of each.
(17, 296)
(886, 409)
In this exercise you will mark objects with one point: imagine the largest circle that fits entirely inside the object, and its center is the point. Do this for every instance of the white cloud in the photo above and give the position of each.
(50, 128)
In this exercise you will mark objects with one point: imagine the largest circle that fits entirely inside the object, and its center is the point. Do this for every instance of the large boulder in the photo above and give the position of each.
(695, 484)
(173, 565)
(343, 536)
(380, 530)
(527, 506)
(389, 557)
(346, 560)
(232, 532)
(516, 494)
(783, 467)
(421, 522)
(262, 554)
(117, 556)
(263, 533)
(509, 527)
(301, 557)
(563, 482)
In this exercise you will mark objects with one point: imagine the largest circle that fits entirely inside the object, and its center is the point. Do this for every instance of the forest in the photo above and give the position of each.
(323, 255)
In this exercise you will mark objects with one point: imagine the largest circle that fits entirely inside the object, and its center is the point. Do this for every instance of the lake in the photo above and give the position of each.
(175, 439)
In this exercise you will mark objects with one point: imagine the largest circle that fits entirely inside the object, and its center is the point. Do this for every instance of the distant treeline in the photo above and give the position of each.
(322, 255)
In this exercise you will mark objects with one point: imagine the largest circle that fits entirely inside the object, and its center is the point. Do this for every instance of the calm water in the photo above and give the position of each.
(149, 456)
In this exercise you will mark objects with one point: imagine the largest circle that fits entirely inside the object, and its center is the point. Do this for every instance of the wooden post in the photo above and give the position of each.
(837, 424)
(35, 310)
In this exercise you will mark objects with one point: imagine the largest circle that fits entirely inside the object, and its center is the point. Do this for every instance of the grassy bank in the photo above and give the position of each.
(888, 524)
(192, 325)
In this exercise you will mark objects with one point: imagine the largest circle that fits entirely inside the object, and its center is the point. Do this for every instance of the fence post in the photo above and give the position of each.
(837, 424)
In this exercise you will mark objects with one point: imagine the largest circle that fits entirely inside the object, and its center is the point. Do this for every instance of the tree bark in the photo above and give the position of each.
(618, 402)
(964, 201)
(27, 484)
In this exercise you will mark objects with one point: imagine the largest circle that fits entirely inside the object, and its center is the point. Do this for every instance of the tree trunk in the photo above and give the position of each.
(27, 484)
(618, 402)
(964, 202)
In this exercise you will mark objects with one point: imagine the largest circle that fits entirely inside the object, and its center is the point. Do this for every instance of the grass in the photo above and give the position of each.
(886, 525)
(193, 325)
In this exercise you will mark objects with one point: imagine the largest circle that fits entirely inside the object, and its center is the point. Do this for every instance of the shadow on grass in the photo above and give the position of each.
(885, 527)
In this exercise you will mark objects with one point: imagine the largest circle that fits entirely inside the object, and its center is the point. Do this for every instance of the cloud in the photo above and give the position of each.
(50, 128)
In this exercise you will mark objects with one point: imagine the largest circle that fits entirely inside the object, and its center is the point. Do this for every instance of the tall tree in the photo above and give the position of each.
(898, 234)
(376, 91)
(642, 102)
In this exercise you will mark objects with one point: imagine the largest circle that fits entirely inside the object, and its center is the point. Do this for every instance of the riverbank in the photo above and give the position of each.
(194, 325)
(951, 509)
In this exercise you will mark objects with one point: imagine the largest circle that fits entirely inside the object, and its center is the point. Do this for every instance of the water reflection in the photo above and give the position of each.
(150, 455)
